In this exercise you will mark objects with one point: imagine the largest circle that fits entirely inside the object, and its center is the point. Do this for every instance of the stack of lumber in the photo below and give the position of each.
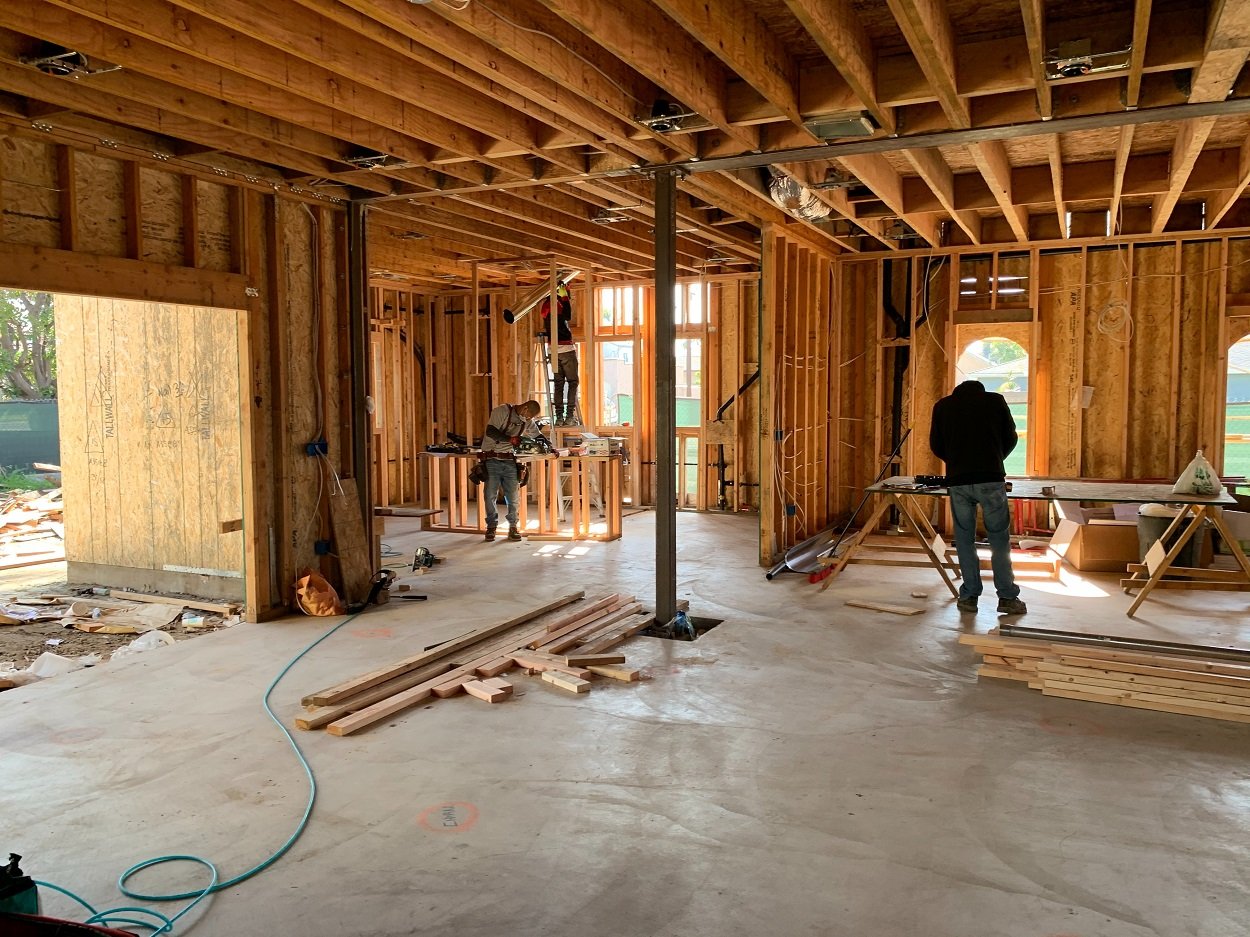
(1187, 683)
(567, 642)
(32, 528)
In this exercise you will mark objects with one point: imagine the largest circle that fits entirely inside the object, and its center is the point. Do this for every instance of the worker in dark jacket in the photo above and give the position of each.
(973, 432)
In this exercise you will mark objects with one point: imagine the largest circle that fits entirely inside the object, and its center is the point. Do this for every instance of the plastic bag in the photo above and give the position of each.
(317, 597)
(146, 642)
(1199, 478)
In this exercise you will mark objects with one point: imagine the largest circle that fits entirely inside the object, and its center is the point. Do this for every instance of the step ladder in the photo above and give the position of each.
(541, 368)
(541, 371)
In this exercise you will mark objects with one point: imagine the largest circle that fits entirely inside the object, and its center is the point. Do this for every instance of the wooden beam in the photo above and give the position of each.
(84, 99)
(42, 268)
(1219, 204)
(876, 173)
(733, 32)
(596, 100)
(1122, 150)
(1031, 11)
(188, 51)
(1227, 44)
(836, 28)
(933, 169)
(1054, 154)
(927, 28)
(425, 96)
(636, 32)
(1190, 139)
(995, 167)
(1137, 59)
(68, 197)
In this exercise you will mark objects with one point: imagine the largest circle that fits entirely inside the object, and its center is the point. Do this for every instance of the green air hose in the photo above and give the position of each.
(115, 916)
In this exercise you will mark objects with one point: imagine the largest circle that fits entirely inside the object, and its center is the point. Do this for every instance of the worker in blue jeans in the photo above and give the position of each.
(973, 432)
(507, 424)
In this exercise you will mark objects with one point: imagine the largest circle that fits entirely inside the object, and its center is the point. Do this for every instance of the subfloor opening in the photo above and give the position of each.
(682, 628)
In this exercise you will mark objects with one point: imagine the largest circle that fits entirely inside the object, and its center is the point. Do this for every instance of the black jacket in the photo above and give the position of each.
(972, 432)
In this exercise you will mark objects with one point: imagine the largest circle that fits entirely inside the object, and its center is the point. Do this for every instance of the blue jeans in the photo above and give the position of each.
(992, 496)
(500, 473)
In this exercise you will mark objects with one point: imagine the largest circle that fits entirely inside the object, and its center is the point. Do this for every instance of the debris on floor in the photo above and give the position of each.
(32, 528)
(96, 623)
(567, 642)
(1190, 683)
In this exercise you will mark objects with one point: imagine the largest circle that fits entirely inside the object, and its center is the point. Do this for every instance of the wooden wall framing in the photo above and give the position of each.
(85, 220)
(1155, 389)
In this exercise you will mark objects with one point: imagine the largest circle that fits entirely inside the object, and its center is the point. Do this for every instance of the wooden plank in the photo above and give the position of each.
(886, 607)
(24, 267)
(324, 715)
(486, 692)
(592, 660)
(627, 630)
(1138, 701)
(557, 645)
(355, 556)
(624, 674)
(220, 609)
(342, 691)
(565, 682)
(545, 662)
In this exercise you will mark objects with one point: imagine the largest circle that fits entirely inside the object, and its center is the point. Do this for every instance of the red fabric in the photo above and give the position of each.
(33, 925)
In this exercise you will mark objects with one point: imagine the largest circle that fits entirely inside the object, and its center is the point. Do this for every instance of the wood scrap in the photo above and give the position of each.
(565, 682)
(587, 660)
(31, 528)
(624, 674)
(484, 691)
(885, 607)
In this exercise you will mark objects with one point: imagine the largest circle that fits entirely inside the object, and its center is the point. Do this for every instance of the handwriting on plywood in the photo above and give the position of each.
(174, 404)
(101, 410)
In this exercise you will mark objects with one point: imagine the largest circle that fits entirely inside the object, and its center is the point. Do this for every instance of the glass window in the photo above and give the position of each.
(689, 352)
(616, 383)
(1003, 367)
(1237, 411)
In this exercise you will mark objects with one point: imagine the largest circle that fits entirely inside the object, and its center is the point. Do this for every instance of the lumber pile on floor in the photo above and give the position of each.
(1189, 684)
(32, 528)
(567, 642)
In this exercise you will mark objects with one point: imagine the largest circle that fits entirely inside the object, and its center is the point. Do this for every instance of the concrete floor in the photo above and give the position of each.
(805, 768)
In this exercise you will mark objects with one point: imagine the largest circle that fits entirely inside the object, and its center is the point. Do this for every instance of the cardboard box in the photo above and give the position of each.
(1238, 523)
(1098, 546)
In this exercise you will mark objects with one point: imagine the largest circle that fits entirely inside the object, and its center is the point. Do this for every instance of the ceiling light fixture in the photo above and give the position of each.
(666, 116)
(835, 126)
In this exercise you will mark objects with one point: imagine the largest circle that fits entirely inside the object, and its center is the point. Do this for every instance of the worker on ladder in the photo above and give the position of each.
(565, 373)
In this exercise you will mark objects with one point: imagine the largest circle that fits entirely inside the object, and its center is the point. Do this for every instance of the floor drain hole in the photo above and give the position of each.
(677, 630)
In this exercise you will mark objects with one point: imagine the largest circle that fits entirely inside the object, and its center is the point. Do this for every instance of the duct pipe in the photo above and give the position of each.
(535, 296)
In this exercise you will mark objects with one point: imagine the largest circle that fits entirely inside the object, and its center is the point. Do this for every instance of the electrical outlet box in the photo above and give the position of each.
(321, 547)
(317, 447)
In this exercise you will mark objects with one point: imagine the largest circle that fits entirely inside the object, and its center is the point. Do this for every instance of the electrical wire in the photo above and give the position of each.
(539, 32)
(120, 915)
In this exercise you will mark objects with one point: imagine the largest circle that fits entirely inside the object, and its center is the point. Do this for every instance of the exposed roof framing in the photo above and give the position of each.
(497, 128)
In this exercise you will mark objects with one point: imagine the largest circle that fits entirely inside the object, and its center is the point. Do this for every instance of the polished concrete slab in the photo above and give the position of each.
(804, 768)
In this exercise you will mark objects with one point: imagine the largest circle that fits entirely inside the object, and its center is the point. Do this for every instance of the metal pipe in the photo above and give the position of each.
(665, 396)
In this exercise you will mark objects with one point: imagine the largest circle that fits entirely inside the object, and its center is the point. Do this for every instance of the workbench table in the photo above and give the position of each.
(541, 511)
(1146, 577)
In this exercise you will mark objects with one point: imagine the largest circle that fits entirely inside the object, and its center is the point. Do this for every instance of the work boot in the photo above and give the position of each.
(968, 605)
(1011, 607)
(514, 534)
(490, 535)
